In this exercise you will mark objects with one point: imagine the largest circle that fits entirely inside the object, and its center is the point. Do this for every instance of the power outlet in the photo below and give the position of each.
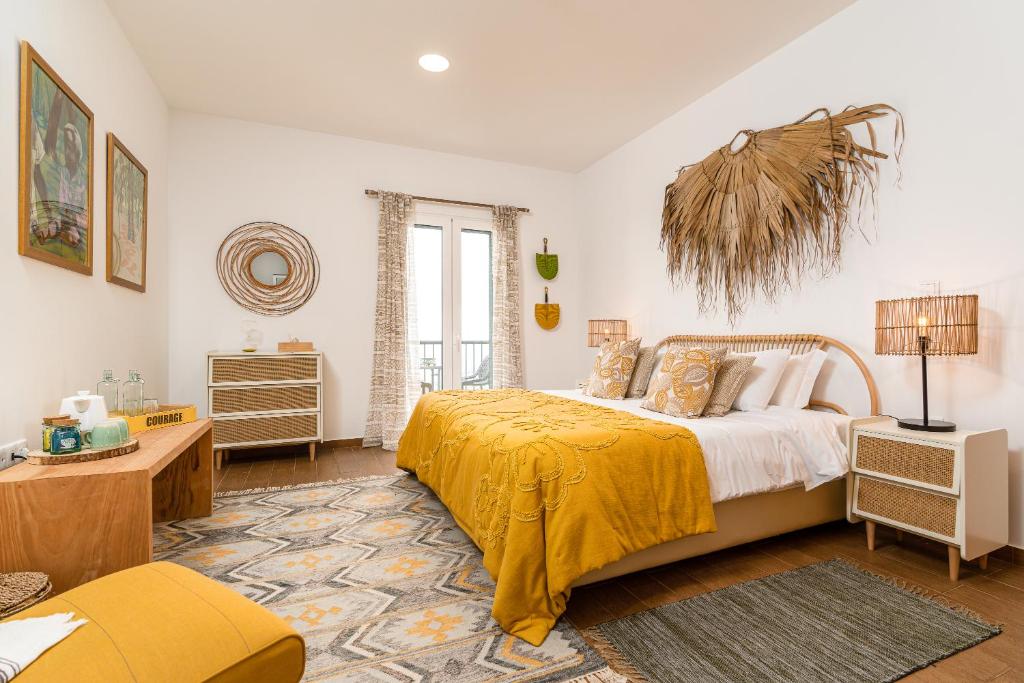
(7, 452)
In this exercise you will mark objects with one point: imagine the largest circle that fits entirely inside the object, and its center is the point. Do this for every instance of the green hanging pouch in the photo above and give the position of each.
(547, 264)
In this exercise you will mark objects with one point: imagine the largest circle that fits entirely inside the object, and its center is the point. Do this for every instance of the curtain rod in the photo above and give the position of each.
(436, 200)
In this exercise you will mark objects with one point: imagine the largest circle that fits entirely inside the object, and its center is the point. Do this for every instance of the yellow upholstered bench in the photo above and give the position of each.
(163, 622)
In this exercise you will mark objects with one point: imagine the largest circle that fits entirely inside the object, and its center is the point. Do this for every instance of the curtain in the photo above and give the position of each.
(393, 389)
(507, 335)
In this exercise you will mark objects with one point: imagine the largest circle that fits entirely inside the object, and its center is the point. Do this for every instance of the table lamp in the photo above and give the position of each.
(601, 331)
(927, 326)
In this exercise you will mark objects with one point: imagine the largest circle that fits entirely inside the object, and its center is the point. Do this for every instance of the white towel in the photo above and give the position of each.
(23, 640)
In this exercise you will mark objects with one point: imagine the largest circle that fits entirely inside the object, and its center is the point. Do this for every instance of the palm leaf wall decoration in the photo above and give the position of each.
(758, 217)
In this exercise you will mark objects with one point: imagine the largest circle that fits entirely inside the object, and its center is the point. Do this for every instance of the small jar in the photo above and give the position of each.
(65, 437)
(48, 427)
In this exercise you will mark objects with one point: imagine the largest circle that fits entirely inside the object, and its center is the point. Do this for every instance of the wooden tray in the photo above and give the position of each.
(84, 455)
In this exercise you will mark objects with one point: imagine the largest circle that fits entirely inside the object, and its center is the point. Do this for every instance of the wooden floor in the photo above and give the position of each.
(260, 468)
(996, 594)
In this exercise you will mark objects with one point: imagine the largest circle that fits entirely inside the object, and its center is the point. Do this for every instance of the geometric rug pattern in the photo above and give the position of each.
(377, 577)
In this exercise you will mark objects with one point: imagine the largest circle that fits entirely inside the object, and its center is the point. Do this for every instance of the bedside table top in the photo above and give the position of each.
(887, 426)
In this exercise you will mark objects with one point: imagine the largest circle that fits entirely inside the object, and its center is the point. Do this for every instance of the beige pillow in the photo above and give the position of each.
(684, 381)
(727, 384)
(645, 360)
(613, 368)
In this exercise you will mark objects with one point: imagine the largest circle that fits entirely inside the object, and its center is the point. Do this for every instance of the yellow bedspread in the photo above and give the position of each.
(550, 489)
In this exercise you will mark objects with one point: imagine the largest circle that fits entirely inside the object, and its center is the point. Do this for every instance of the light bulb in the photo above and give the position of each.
(435, 63)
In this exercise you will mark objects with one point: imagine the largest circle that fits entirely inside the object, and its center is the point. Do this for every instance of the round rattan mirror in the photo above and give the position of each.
(268, 268)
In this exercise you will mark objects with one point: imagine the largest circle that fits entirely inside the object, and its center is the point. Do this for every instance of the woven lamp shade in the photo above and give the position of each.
(600, 331)
(950, 324)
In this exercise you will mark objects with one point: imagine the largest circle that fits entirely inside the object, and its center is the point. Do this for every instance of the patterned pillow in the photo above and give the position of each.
(727, 384)
(613, 367)
(684, 381)
(642, 373)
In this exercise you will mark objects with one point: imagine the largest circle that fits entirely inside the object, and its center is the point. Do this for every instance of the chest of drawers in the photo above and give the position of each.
(265, 399)
(951, 487)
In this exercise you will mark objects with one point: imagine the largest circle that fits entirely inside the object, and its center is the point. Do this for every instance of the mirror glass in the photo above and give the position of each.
(269, 269)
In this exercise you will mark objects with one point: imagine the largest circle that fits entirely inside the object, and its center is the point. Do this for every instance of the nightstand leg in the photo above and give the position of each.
(983, 561)
(899, 535)
(312, 451)
(954, 562)
(216, 458)
(869, 527)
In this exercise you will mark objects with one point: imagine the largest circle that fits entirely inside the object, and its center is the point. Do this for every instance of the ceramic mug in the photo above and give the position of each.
(107, 434)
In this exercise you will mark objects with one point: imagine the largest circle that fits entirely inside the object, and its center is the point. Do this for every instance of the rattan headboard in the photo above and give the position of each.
(796, 343)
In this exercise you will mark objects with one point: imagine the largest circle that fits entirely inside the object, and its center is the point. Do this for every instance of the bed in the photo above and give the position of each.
(560, 489)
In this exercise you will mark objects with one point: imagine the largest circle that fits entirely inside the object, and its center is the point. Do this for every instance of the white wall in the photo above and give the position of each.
(60, 328)
(953, 69)
(225, 173)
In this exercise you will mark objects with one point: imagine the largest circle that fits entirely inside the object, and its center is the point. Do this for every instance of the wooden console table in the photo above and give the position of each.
(78, 522)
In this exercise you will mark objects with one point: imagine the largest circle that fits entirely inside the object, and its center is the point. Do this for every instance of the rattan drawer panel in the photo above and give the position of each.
(913, 507)
(263, 399)
(263, 369)
(917, 462)
(265, 428)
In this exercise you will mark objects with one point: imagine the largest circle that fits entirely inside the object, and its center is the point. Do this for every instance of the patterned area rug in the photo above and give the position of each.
(828, 622)
(379, 580)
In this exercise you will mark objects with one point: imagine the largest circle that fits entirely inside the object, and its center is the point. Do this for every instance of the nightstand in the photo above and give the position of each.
(951, 487)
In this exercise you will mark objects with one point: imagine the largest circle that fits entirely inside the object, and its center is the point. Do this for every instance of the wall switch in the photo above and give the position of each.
(7, 452)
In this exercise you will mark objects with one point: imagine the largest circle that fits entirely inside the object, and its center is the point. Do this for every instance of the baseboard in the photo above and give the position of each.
(343, 443)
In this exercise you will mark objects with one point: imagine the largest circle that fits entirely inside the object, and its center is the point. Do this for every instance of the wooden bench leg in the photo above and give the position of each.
(954, 562)
(869, 528)
(312, 451)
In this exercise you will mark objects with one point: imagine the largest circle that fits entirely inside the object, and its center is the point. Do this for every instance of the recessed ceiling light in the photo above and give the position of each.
(435, 63)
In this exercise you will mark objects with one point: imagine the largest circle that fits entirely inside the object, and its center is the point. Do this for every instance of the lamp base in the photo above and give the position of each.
(929, 426)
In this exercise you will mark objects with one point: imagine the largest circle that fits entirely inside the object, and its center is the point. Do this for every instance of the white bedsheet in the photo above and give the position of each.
(756, 451)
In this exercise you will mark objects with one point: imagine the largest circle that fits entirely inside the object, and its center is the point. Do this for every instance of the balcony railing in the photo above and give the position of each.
(476, 365)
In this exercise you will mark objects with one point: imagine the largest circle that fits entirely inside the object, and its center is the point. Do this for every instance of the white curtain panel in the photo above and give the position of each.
(507, 355)
(393, 386)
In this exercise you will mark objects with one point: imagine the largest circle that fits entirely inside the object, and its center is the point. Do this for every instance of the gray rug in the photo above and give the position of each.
(825, 622)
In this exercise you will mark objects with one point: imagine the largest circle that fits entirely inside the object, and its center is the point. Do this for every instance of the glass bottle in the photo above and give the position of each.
(108, 389)
(133, 393)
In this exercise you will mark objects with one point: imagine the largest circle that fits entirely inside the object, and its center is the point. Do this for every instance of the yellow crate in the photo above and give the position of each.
(166, 416)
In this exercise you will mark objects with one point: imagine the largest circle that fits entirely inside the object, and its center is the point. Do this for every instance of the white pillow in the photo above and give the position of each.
(761, 380)
(794, 390)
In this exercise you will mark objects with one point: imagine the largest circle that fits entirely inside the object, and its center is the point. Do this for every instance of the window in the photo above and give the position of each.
(453, 300)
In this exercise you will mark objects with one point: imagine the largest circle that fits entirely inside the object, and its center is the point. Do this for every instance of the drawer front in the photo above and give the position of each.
(920, 509)
(934, 465)
(245, 430)
(264, 399)
(232, 370)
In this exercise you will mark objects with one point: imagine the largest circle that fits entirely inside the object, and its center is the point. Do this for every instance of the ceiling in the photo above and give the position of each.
(550, 83)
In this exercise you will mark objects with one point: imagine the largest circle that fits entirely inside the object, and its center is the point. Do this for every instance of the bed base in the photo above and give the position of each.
(740, 520)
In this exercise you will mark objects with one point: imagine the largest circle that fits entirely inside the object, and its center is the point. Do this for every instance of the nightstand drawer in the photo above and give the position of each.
(931, 465)
(924, 510)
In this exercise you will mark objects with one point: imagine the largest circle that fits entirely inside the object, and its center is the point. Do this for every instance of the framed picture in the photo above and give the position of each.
(55, 169)
(127, 183)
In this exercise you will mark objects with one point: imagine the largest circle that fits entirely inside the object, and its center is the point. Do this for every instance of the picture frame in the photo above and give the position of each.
(127, 216)
(55, 169)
